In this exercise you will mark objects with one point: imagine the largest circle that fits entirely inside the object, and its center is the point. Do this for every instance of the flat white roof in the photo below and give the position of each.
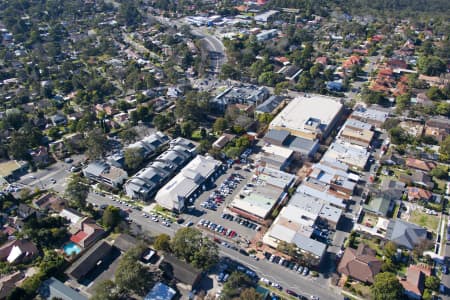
(185, 182)
(347, 153)
(277, 150)
(295, 115)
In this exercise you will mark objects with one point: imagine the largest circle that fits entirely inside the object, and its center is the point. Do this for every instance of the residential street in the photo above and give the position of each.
(290, 280)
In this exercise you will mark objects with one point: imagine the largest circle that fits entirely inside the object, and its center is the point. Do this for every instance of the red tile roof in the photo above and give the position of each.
(78, 237)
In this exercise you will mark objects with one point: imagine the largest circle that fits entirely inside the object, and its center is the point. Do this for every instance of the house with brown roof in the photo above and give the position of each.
(414, 283)
(18, 251)
(418, 164)
(360, 264)
(417, 194)
(50, 202)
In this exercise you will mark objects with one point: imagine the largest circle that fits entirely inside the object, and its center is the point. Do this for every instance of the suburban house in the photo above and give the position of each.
(404, 234)
(104, 173)
(88, 233)
(360, 264)
(50, 202)
(52, 288)
(187, 276)
(414, 283)
(91, 259)
(18, 251)
(417, 194)
(223, 140)
(421, 165)
(418, 178)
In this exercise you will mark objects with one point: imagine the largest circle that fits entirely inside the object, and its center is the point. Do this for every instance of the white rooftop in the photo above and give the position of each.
(188, 180)
(347, 153)
(301, 109)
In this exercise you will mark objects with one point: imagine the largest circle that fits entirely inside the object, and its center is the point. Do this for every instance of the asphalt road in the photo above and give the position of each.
(42, 178)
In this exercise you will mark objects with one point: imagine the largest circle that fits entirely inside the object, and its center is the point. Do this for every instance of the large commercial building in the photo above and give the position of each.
(282, 138)
(310, 117)
(296, 223)
(188, 183)
(267, 189)
(145, 183)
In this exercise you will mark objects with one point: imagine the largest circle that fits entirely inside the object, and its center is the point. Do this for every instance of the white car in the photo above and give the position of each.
(265, 280)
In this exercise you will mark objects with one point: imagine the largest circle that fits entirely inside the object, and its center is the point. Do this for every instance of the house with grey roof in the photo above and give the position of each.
(270, 105)
(52, 288)
(379, 206)
(404, 234)
(102, 172)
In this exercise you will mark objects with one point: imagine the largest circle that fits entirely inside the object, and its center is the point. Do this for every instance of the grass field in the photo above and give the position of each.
(422, 219)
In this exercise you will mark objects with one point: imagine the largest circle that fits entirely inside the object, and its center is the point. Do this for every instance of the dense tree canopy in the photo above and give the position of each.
(189, 245)
(386, 287)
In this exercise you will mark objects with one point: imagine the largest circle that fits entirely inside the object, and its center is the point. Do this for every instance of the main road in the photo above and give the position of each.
(210, 43)
(288, 279)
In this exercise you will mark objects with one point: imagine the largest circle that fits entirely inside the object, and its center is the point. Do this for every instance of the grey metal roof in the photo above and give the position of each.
(309, 245)
(304, 146)
(54, 289)
(270, 104)
(405, 234)
(95, 168)
(277, 135)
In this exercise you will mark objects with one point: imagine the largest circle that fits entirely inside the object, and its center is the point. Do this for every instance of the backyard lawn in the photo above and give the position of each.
(422, 219)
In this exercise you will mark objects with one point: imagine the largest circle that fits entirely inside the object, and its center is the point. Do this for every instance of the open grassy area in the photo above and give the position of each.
(422, 219)
(359, 289)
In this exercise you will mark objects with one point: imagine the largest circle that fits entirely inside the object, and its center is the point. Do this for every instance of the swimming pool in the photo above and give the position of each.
(71, 248)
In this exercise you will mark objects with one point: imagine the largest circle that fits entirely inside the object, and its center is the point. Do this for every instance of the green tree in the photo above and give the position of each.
(402, 102)
(398, 136)
(133, 158)
(432, 283)
(431, 65)
(131, 276)
(435, 93)
(111, 217)
(162, 242)
(95, 144)
(235, 284)
(128, 135)
(440, 172)
(220, 124)
(189, 244)
(386, 287)
(250, 294)
(105, 290)
(444, 149)
(77, 191)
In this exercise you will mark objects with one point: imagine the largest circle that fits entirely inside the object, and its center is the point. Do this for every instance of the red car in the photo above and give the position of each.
(292, 293)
